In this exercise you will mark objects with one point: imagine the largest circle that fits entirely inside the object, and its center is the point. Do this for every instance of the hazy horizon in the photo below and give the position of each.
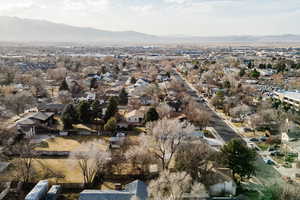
(166, 17)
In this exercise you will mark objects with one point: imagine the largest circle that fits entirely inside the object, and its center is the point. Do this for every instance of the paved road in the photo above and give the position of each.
(223, 129)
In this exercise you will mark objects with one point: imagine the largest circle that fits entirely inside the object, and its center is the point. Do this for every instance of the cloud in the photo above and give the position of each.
(15, 4)
(86, 5)
(143, 9)
(177, 1)
(196, 17)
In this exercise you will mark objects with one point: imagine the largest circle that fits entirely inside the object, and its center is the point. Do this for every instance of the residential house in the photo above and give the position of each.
(136, 188)
(51, 107)
(176, 105)
(291, 140)
(144, 100)
(266, 72)
(135, 116)
(122, 125)
(221, 183)
(34, 123)
(116, 142)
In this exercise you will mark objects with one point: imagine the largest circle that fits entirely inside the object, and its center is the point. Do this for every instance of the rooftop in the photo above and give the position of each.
(135, 188)
(295, 95)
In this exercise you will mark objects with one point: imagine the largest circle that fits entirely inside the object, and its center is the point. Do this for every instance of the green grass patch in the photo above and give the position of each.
(139, 129)
(251, 195)
(43, 144)
(263, 146)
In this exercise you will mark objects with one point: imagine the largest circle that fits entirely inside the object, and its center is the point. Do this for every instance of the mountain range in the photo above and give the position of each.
(14, 29)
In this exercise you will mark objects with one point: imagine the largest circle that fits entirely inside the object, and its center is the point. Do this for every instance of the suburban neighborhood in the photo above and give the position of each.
(133, 125)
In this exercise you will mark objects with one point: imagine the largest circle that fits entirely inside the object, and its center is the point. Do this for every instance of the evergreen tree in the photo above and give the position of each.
(132, 80)
(255, 74)
(151, 115)
(96, 109)
(84, 111)
(239, 158)
(64, 85)
(69, 116)
(226, 84)
(111, 109)
(111, 125)
(242, 72)
(123, 97)
(93, 83)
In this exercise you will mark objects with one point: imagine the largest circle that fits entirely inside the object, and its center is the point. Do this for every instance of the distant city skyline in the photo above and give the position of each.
(166, 17)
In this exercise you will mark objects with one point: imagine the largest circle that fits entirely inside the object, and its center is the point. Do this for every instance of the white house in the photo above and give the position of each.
(221, 183)
(228, 187)
(134, 116)
(141, 82)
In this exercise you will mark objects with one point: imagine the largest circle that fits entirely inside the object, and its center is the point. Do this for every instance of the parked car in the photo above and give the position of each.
(248, 129)
(254, 140)
(263, 138)
(269, 161)
(276, 153)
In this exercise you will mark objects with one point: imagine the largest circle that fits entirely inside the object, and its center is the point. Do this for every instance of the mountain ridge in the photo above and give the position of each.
(15, 29)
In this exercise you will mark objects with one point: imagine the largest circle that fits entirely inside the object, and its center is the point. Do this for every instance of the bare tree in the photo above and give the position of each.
(240, 110)
(169, 186)
(5, 134)
(7, 75)
(17, 103)
(197, 114)
(24, 161)
(92, 160)
(164, 110)
(195, 159)
(290, 193)
(57, 74)
(64, 97)
(39, 88)
(164, 138)
(139, 158)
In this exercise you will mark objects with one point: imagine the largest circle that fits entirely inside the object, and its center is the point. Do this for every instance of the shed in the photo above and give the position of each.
(39, 191)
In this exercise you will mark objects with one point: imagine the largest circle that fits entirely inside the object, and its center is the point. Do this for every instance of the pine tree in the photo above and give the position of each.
(64, 85)
(151, 115)
(112, 108)
(93, 83)
(111, 125)
(96, 109)
(255, 74)
(239, 158)
(69, 116)
(123, 97)
(132, 80)
(84, 111)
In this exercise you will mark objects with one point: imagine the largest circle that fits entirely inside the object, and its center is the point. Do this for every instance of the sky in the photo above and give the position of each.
(166, 17)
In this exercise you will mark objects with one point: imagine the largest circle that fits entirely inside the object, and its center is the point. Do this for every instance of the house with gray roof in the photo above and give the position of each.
(31, 123)
(136, 188)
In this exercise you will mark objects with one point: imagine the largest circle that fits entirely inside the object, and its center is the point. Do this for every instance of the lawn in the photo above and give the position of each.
(251, 195)
(238, 124)
(263, 146)
(84, 127)
(68, 143)
(67, 170)
(255, 134)
(266, 174)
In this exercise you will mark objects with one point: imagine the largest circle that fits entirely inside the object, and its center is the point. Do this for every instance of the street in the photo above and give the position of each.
(223, 128)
